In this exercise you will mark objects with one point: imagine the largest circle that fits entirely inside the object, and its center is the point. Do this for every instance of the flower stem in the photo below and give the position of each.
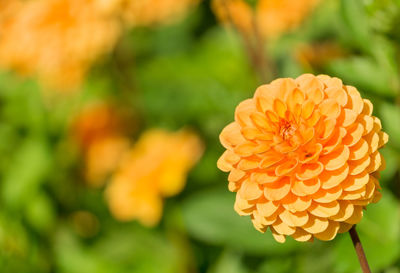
(359, 250)
(254, 47)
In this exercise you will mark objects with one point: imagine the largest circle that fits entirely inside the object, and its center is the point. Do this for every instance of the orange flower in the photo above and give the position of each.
(271, 17)
(151, 12)
(319, 54)
(303, 157)
(101, 133)
(7, 8)
(57, 40)
(236, 12)
(278, 16)
(156, 167)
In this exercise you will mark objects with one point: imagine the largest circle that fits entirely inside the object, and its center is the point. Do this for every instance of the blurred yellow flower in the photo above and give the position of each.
(58, 40)
(270, 17)
(156, 167)
(236, 12)
(7, 9)
(278, 16)
(303, 157)
(101, 132)
(151, 12)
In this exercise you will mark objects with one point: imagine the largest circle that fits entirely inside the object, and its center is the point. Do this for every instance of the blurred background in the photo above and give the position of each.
(110, 112)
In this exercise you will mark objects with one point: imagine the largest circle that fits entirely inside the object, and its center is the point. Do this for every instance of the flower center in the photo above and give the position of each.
(287, 129)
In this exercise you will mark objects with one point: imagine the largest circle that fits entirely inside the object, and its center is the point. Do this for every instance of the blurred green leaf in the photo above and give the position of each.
(379, 232)
(40, 212)
(204, 84)
(390, 114)
(229, 262)
(30, 165)
(392, 159)
(277, 265)
(129, 248)
(357, 71)
(210, 217)
(354, 15)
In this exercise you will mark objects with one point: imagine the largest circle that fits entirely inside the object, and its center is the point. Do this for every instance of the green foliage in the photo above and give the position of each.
(189, 74)
(210, 217)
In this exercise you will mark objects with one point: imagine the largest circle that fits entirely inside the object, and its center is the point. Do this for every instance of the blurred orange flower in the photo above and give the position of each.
(7, 8)
(101, 133)
(303, 157)
(150, 12)
(317, 55)
(57, 40)
(236, 12)
(278, 16)
(156, 167)
(271, 17)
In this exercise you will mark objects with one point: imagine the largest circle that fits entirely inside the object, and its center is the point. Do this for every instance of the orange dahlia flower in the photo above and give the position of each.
(278, 16)
(151, 12)
(100, 131)
(57, 40)
(271, 17)
(303, 157)
(156, 167)
(236, 12)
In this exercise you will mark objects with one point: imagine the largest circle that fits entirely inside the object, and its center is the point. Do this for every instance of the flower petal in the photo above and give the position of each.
(354, 134)
(345, 212)
(278, 237)
(327, 196)
(235, 175)
(309, 171)
(367, 122)
(356, 215)
(268, 208)
(286, 167)
(359, 150)
(242, 206)
(330, 108)
(295, 97)
(334, 141)
(250, 190)
(307, 109)
(337, 93)
(347, 117)
(270, 158)
(357, 166)
(260, 120)
(368, 107)
(376, 162)
(330, 179)
(294, 219)
(316, 224)
(283, 228)
(355, 101)
(243, 111)
(307, 187)
(264, 177)
(277, 190)
(301, 236)
(335, 159)
(298, 203)
(373, 141)
(231, 136)
(280, 108)
(324, 209)
(355, 182)
(246, 164)
(329, 233)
